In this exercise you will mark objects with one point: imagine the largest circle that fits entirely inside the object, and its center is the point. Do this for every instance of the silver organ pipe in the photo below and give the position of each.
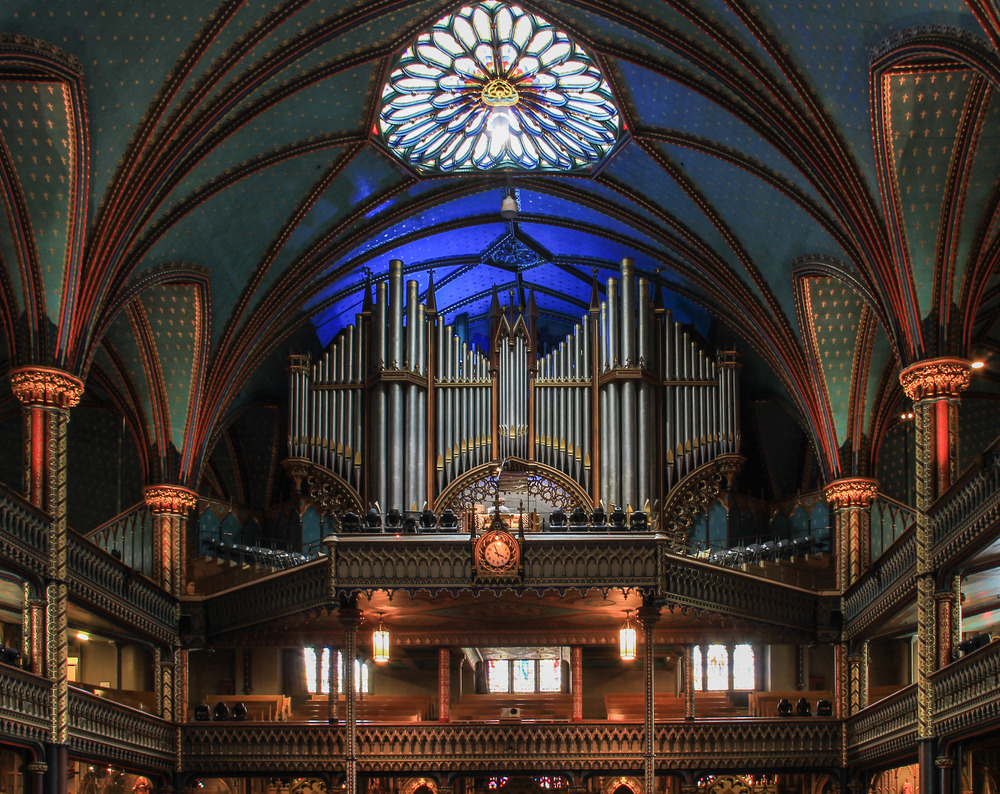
(664, 406)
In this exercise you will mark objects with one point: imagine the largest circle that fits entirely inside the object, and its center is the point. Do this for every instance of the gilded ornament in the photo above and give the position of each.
(936, 377)
(169, 499)
(44, 386)
(851, 492)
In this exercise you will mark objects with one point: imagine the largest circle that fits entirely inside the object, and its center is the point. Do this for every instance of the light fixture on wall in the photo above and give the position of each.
(380, 642)
(627, 638)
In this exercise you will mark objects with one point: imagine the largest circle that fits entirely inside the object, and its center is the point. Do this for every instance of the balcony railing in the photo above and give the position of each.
(971, 506)
(965, 692)
(112, 587)
(119, 734)
(24, 705)
(888, 581)
(885, 729)
(520, 747)
(552, 562)
(24, 538)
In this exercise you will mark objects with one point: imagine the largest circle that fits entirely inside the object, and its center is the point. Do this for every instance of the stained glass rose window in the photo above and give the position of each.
(494, 86)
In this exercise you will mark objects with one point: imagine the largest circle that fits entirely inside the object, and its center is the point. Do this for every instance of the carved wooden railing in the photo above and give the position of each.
(965, 693)
(273, 597)
(963, 516)
(129, 534)
(119, 734)
(884, 730)
(97, 580)
(110, 586)
(24, 539)
(551, 561)
(887, 584)
(24, 705)
(522, 747)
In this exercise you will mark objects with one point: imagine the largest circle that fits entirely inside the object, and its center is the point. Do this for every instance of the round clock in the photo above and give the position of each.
(497, 553)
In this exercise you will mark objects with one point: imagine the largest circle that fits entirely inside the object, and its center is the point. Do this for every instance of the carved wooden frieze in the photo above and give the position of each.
(517, 747)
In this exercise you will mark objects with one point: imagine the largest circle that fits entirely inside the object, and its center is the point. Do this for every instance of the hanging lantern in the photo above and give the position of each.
(627, 639)
(380, 642)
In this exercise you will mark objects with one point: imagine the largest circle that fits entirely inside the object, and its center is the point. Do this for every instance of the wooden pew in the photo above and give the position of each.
(631, 706)
(542, 707)
(765, 704)
(369, 708)
(260, 708)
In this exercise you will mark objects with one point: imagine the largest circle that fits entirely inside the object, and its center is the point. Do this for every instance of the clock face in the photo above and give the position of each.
(496, 553)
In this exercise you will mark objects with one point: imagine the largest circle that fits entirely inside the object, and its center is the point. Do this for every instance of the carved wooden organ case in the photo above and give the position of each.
(400, 412)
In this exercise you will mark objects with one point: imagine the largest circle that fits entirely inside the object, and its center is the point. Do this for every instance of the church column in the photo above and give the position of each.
(350, 617)
(171, 683)
(576, 681)
(949, 620)
(46, 395)
(856, 681)
(851, 499)
(444, 684)
(169, 505)
(33, 631)
(689, 682)
(648, 616)
(934, 386)
(36, 776)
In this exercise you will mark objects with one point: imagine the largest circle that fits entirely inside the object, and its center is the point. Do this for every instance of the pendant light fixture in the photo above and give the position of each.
(380, 642)
(627, 639)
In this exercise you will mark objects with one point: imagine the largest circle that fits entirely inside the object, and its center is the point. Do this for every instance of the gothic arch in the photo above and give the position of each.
(479, 485)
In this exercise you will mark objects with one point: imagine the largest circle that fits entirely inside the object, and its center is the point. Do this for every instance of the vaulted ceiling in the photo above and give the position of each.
(189, 186)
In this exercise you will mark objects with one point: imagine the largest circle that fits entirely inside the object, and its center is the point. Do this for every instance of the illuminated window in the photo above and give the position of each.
(498, 675)
(524, 675)
(362, 681)
(743, 667)
(718, 668)
(549, 675)
(494, 86)
(713, 661)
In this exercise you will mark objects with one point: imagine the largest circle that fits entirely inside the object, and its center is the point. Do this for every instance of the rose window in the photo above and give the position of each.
(494, 86)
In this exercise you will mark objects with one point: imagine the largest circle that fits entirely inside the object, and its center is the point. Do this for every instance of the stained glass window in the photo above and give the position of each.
(743, 667)
(524, 675)
(718, 667)
(549, 675)
(495, 86)
(699, 684)
(498, 675)
(362, 682)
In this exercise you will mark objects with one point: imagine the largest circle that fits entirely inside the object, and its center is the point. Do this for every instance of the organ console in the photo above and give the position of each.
(400, 413)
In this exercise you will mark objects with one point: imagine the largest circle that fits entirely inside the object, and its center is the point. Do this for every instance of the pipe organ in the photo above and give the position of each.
(626, 406)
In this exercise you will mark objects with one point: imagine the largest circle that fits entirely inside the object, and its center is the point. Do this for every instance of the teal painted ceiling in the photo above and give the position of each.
(221, 155)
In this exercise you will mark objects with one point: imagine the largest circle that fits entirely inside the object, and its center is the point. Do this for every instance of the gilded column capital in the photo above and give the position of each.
(935, 377)
(851, 492)
(45, 387)
(350, 617)
(169, 499)
(37, 767)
